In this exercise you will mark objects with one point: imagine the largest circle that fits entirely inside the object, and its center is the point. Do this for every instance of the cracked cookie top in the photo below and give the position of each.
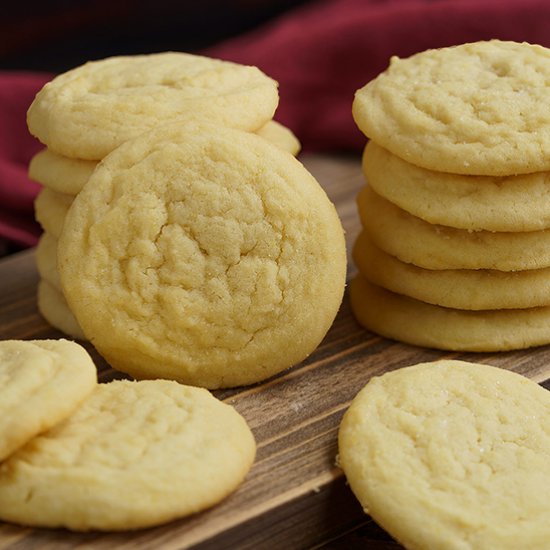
(452, 454)
(202, 254)
(479, 108)
(135, 454)
(88, 111)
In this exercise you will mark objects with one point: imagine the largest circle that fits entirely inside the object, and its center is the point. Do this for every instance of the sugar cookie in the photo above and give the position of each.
(198, 253)
(463, 466)
(473, 289)
(90, 110)
(68, 175)
(477, 108)
(281, 136)
(53, 307)
(514, 203)
(415, 241)
(50, 209)
(46, 260)
(135, 454)
(59, 173)
(41, 383)
(421, 324)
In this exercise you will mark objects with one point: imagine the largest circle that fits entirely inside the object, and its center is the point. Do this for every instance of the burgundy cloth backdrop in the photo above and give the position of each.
(319, 53)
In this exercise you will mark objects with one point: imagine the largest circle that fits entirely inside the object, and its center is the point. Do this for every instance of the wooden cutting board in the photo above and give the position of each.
(295, 496)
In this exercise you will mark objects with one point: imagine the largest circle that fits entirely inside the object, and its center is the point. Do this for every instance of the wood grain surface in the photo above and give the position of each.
(295, 496)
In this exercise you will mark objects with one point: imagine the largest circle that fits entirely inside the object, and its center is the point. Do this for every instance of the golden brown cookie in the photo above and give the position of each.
(59, 173)
(68, 175)
(198, 253)
(46, 260)
(421, 324)
(53, 307)
(50, 209)
(42, 382)
(452, 455)
(281, 136)
(415, 241)
(476, 109)
(473, 289)
(88, 111)
(512, 203)
(135, 454)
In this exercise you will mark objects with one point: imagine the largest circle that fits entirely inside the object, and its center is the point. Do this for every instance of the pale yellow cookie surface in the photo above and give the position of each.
(281, 136)
(431, 246)
(88, 111)
(414, 322)
(472, 289)
(452, 455)
(41, 383)
(50, 209)
(68, 175)
(46, 260)
(478, 108)
(59, 173)
(514, 203)
(54, 308)
(134, 454)
(199, 254)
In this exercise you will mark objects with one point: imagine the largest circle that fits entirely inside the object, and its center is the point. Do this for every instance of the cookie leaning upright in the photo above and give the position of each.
(87, 112)
(202, 254)
(41, 383)
(479, 109)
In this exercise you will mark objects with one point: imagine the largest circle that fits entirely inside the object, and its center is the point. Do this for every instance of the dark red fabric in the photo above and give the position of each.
(320, 54)
(17, 146)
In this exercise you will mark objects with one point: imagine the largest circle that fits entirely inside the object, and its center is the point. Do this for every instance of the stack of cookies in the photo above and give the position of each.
(185, 243)
(454, 252)
(86, 113)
